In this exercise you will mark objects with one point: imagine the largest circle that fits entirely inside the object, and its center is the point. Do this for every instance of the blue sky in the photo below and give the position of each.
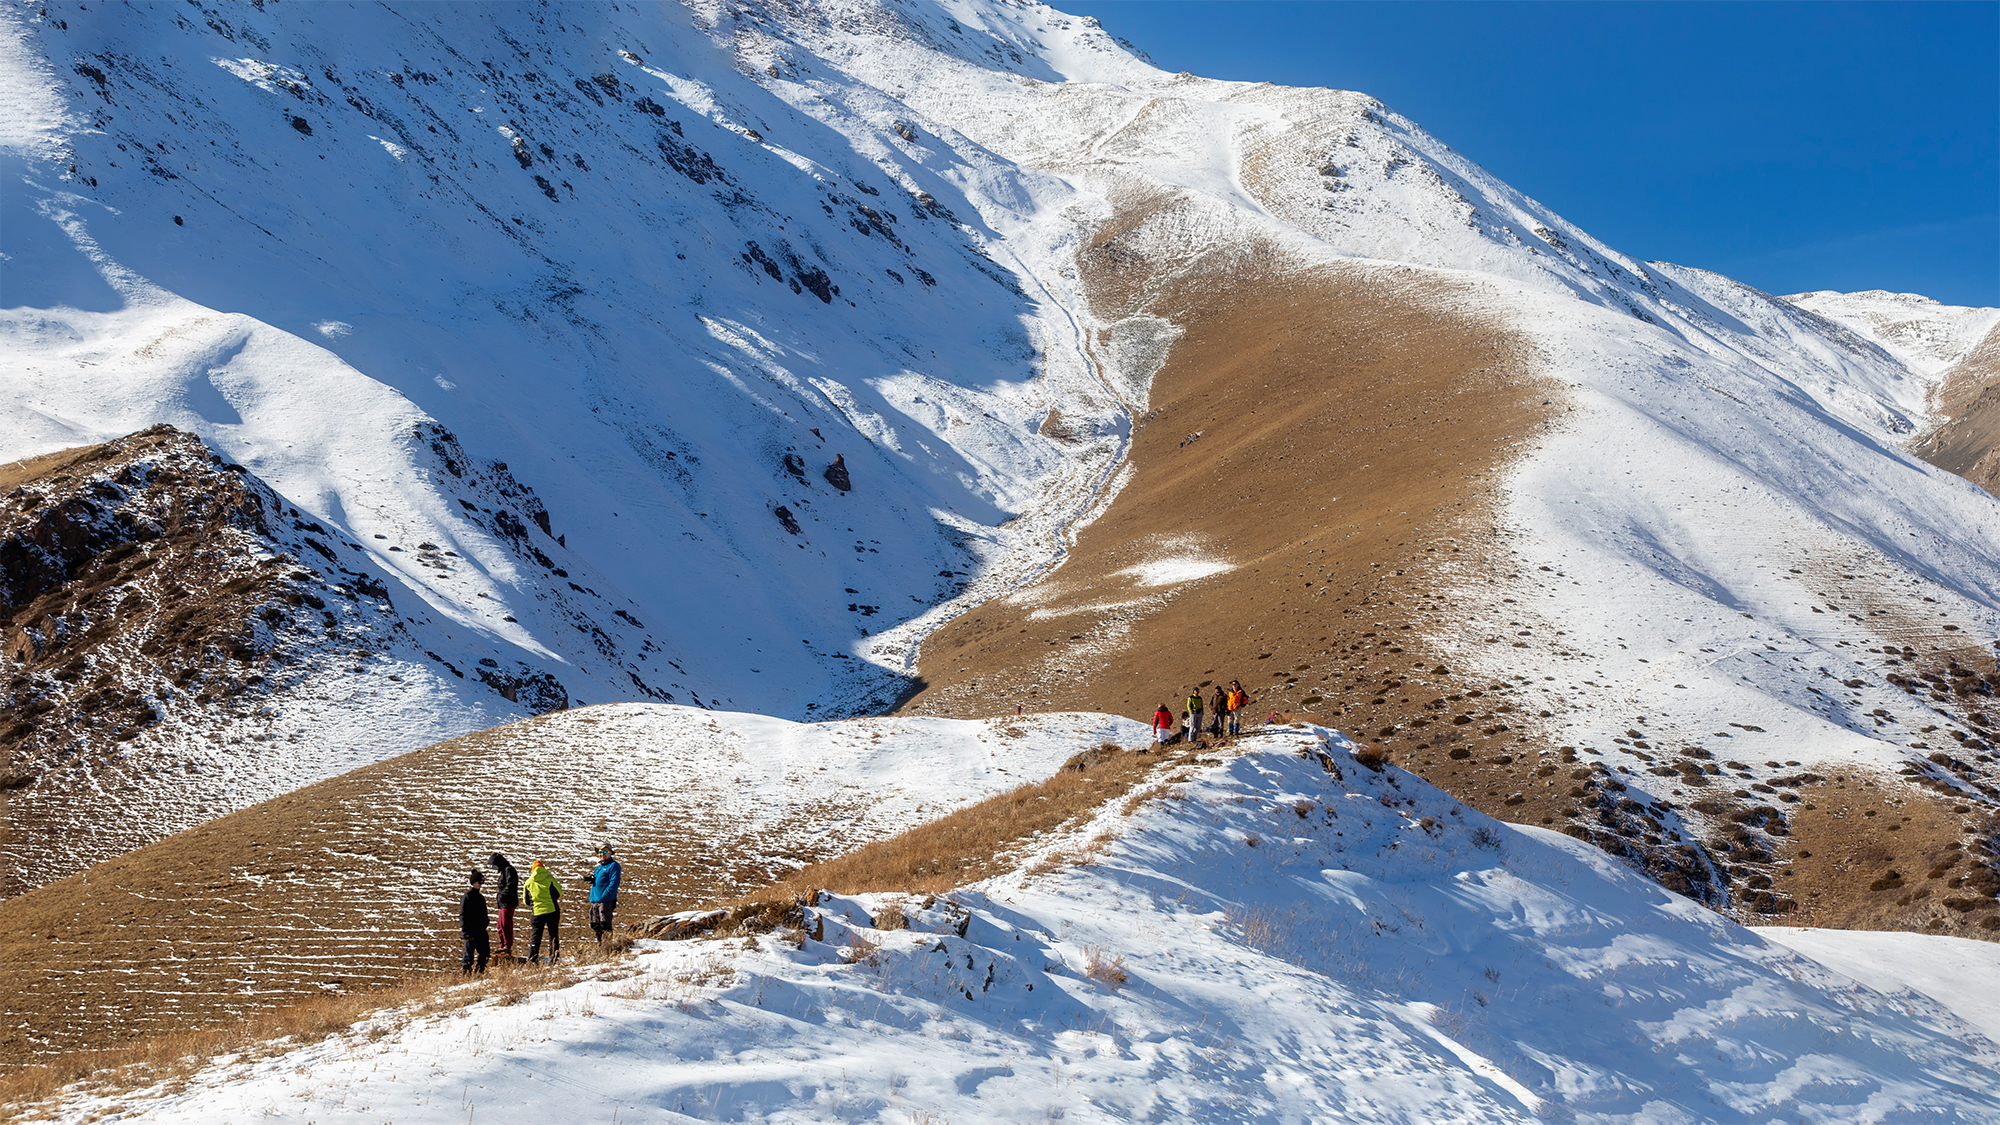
(1792, 146)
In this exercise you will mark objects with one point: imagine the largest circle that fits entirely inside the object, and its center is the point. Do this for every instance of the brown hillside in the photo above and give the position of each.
(1354, 422)
(1968, 443)
(354, 882)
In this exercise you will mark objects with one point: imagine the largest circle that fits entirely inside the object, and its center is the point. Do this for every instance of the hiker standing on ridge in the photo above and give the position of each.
(1237, 700)
(545, 899)
(1194, 715)
(506, 899)
(1163, 725)
(603, 892)
(472, 926)
(1217, 708)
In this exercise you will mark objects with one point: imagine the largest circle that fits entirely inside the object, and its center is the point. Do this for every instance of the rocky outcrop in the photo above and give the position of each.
(133, 582)
(150, 594)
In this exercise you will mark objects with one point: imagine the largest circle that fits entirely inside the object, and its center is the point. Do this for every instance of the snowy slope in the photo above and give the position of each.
(699, 804)
(1282, 935)
(1926, 336)
(1960, 974)
(396, 261)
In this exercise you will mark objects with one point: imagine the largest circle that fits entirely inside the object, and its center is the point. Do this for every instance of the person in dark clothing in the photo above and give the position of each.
(506, 899)
(472, 926)
(603, 892)
(1220, 703)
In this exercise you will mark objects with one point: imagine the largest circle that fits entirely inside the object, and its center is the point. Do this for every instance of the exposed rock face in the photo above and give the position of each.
(136, 555)
(142, 591)
(170, 629)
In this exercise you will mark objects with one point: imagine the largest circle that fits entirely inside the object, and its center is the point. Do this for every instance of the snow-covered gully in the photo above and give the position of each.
(1279, 933)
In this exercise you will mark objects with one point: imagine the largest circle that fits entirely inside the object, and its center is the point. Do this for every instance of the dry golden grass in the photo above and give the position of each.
(966, 846)
(174, 1058)
(1104, 968)
(971, 844)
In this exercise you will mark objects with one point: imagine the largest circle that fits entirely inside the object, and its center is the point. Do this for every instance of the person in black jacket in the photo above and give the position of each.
(507, 899)
(472, 925)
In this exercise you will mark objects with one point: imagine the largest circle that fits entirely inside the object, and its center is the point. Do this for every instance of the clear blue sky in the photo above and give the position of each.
(1792, 146)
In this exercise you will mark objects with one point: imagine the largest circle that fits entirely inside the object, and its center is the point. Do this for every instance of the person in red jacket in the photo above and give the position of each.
(506, 899)
(1163, 725)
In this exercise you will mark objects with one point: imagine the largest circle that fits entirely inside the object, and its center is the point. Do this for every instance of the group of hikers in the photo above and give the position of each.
(544, 897)
(1218, 716)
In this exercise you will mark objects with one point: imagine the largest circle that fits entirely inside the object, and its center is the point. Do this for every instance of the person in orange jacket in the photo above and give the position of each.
(1236, 701)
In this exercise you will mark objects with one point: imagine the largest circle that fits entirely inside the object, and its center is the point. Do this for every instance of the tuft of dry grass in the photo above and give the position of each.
(1372, 755)
(859, 949)
(1260, 928)
(1102, 967)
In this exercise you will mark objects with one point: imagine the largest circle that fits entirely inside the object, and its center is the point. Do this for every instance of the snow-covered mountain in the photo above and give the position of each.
(778, 313)
(1957, 348)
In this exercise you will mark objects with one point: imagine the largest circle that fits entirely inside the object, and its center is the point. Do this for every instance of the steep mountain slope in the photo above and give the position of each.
(1280, 934)
(1724, 460)
(354, 882)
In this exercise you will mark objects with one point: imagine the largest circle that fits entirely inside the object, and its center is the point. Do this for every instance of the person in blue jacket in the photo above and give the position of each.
(603, 892)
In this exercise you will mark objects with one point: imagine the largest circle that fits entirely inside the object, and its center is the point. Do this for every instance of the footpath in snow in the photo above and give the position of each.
(1275, 934)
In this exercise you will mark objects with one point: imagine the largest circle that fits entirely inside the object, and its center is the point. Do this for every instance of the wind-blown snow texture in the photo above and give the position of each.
(601, 245)
(1282, 936)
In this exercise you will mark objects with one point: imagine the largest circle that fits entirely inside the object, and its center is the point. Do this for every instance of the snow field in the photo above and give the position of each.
(1958, 973)
(1281, 934)
(1927, 336)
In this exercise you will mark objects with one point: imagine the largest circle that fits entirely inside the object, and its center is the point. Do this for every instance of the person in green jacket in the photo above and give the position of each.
(545, 899)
